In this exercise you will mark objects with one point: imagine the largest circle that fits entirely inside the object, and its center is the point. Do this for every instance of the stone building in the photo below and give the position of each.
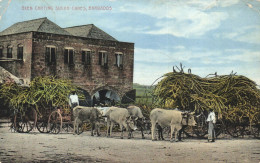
(95, 61)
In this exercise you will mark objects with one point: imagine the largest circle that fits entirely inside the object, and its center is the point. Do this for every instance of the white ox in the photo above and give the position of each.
(171, 118)
(120, 116)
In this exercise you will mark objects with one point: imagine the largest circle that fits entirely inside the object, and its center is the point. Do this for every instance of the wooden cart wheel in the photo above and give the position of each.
(219, 128)
(68, 127)
(84, 127)
(235, 130)
(188, 131)
(42, 121)
(25, 122)
(42, 125)
(255, 130)
(201, 129)
(55, 122)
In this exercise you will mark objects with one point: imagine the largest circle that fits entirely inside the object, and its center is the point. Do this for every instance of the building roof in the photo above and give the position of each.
(46, 26)
(89, 31)
(36, 25)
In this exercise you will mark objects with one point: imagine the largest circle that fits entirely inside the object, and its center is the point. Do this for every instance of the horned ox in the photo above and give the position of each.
(86, 114)
(171, 118)
(122, 117)
(137, 115)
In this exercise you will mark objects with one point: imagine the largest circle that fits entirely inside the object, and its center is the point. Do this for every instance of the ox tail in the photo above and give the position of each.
(77, 107)
(75, 112)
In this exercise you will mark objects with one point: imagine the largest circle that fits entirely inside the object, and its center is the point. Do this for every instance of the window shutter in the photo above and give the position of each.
(1, 52)
(47, 54)
(53, 55)
(100, 58)
(116, 59)
(121, 60)
(105, 58)
(88, 58)
(66, 57)
(9, 52)
(71, 61)
(20, 52)
(83, 57)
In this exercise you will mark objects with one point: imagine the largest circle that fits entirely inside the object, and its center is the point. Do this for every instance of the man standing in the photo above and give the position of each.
(73, 99)
(211, 120)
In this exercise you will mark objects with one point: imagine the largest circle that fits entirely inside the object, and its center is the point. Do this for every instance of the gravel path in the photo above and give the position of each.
(66, 147)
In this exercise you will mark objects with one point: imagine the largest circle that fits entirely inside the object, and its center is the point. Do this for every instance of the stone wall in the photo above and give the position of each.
(19, 68)
(92, 77)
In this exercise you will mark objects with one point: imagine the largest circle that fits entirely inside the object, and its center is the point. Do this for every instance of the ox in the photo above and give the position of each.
(136, 113)
(86, 114)
(122, 117)
(171, 118)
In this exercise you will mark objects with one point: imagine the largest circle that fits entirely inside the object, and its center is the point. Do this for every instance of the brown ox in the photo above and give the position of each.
(86, 114)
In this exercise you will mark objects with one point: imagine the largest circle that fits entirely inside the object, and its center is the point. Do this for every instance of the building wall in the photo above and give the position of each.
(92, 77)
(19, 68)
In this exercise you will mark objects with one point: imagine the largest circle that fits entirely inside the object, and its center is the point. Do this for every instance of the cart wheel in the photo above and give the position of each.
(219, 128)
(235, 130)
(255, 130)
(188, 131)
(24, 122)
(84, 127)
(200, 131)
(55, 122)
(42, 126)
(68, 127)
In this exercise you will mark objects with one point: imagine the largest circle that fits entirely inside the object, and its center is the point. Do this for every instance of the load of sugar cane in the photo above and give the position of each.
(43, 92)
(233, 96)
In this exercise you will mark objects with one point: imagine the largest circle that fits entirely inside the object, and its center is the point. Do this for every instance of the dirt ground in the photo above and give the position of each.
(66, 147)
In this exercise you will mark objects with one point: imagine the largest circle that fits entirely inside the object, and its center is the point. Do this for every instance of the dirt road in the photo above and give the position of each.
(66, 147)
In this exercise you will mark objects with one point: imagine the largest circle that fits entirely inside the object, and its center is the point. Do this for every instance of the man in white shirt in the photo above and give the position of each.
(211, 120)
(73, 100)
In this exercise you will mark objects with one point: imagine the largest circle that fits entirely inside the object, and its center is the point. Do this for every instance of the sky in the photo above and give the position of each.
(206, 36)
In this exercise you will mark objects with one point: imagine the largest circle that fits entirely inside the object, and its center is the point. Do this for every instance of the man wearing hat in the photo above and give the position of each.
(211, 120)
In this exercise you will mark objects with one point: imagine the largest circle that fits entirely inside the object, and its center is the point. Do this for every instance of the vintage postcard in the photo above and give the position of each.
(102, 80)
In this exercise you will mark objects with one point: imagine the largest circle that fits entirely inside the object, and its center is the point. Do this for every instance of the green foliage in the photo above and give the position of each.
(43, 93)
(233, 96)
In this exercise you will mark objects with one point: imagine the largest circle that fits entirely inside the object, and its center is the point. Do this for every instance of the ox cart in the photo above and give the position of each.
(240, 128)
(47, 120)
(57, 119)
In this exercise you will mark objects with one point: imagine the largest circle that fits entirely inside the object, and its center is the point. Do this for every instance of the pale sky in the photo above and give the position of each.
(206, 36)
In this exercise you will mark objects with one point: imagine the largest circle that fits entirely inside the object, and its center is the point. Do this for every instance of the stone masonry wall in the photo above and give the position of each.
(19, 68)
(92, 77)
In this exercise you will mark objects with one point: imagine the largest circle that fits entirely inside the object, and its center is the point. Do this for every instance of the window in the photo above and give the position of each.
(1, 52)
(9, 52)
(68, 56)
(103, 60)
(86, 58)
(50, 55)
(20, 52)
(119, 60)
